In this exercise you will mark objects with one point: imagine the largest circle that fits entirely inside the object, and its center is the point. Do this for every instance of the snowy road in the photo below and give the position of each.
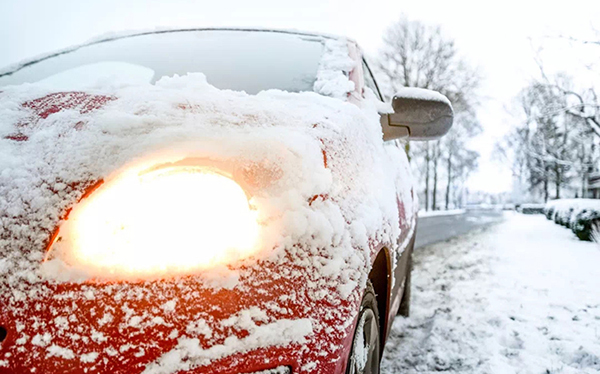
(519, 297)
(433, 229)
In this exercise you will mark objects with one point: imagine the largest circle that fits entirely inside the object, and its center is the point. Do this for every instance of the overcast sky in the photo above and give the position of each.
(498, 36)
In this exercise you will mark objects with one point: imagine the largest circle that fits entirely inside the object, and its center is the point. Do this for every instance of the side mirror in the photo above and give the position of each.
(418, 114)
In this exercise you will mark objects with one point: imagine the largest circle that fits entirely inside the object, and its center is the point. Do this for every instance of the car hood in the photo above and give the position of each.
(327, 190)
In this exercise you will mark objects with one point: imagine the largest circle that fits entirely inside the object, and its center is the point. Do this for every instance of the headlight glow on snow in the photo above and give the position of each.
(166, 221)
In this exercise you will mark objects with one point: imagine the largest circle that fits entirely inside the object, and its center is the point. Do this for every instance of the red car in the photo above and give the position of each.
(205, 201)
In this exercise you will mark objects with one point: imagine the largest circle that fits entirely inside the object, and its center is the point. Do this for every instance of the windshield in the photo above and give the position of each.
(250, 61)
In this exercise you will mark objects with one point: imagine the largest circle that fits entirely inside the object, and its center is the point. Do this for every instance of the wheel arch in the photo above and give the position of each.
(380, 276)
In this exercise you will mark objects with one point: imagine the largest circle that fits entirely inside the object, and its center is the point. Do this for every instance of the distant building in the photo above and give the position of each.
(593, 188)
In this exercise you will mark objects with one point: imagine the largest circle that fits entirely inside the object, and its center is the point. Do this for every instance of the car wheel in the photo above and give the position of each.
(366, 345)
(404, 309)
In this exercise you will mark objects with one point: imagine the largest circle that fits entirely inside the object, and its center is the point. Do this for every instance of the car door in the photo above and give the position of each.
(406, 206)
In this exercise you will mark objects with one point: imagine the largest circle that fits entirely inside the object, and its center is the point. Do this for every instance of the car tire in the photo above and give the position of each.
(404, 309)
(365, 354)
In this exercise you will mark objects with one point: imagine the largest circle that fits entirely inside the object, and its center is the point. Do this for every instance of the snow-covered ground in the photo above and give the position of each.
(519, 297)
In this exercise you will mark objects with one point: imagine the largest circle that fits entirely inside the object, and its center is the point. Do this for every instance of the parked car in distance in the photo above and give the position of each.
(531, 208)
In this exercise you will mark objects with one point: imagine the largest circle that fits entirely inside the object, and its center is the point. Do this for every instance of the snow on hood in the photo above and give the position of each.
(337, 188)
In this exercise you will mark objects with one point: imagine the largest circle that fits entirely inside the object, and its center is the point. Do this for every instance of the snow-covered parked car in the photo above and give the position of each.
(205, 201)
(531, 208)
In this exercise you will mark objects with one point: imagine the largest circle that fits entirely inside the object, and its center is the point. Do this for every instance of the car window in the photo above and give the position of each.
(370, 80)
(250, 61)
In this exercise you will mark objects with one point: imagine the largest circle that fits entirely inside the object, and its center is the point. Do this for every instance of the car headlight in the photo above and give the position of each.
(168, 220)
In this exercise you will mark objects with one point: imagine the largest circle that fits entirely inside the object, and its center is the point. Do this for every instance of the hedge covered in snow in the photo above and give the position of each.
(582, 216)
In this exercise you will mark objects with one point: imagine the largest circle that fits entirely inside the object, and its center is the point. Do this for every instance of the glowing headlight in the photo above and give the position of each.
(168, 221)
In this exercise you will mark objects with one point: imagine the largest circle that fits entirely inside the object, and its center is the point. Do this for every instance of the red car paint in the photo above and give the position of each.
(280, 289)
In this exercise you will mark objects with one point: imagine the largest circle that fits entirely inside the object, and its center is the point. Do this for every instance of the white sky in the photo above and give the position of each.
(497, 36)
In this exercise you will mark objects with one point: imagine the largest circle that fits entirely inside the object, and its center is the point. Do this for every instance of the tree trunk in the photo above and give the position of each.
(558, 180)
(546, 193)
(586, 160)
(436, 156)
(449, 179)
(427, 160)
(583, 180)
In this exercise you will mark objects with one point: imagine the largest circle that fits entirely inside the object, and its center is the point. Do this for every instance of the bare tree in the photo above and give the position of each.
(418, 55)
(436, 158)
(581, 103)
(552, 146)
(460, 161)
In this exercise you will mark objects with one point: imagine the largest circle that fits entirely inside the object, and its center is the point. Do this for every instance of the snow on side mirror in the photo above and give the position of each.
(419, 114)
